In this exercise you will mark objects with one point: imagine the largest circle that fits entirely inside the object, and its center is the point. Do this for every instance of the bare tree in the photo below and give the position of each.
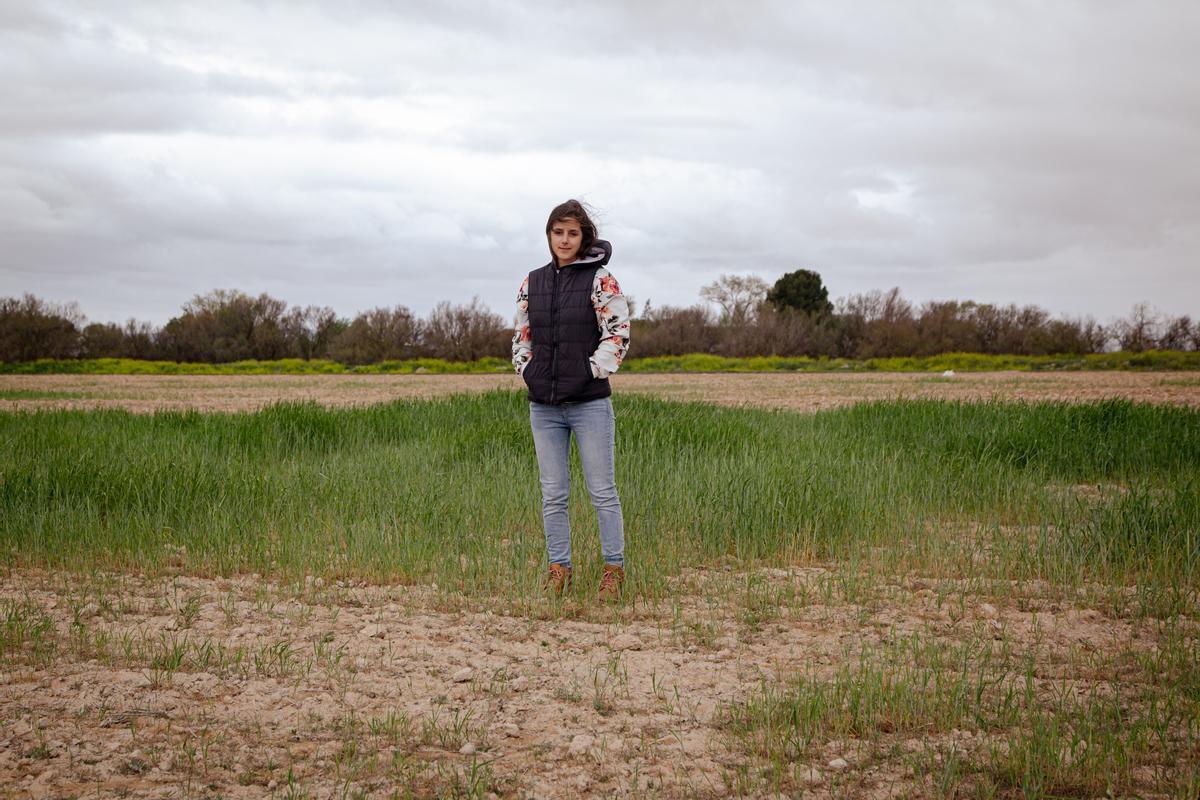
(671, 331)
(738, 297)
(381, 334)
(946, 327)
(1140, 331)
(466, 333)
(786, 331)
(1176, 334)
(309, 331)
(882, 323)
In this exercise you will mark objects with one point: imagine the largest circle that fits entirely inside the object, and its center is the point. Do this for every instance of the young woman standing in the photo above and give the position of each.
(572, 331)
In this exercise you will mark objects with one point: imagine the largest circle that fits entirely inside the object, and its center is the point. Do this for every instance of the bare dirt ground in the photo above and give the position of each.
(193, 687)
(803, 392)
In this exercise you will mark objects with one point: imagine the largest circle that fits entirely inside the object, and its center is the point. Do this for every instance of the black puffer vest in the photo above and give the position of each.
(562, 323)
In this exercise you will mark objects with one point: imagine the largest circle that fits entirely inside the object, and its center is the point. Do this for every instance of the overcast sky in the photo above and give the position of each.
(362, 154)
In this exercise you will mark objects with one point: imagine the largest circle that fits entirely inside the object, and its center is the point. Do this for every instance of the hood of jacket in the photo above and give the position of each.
(596, 256)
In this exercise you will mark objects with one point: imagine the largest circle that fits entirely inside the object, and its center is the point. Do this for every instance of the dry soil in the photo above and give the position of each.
(803, 391)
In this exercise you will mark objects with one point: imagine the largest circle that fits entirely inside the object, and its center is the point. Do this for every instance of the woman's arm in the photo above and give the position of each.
(612, 315)
(522, 341)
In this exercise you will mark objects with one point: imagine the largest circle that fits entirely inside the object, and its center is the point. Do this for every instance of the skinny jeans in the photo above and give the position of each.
(594, 426)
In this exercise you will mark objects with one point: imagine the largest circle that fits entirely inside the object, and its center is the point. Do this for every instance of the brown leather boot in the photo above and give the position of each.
(611, 582)
(558, 580)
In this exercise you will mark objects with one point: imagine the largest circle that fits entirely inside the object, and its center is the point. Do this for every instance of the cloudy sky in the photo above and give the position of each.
(361, 154)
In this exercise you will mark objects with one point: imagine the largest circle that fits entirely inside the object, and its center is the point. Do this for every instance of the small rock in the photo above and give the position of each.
(519, 683)
(581, 743)
(41, 785)
(812, 777)
(581, 782)
(273, 784)
(838, 764)
(625, 641)
(467, 749)
(462, 676)
(508, 729)
(988, 611)
(374, 631)
(171, 624)
(948, 373)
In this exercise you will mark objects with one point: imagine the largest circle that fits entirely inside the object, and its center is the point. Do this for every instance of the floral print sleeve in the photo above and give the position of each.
(612, 315)
(522, 341)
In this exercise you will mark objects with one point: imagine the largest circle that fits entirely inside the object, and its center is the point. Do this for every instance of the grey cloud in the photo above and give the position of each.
(369, 150)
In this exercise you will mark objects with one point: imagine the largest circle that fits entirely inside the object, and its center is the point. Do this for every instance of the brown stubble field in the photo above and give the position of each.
(390, 689)
(800, 392)
(176, 684)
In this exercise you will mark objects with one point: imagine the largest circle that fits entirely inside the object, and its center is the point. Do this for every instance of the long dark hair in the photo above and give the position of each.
(573, 209)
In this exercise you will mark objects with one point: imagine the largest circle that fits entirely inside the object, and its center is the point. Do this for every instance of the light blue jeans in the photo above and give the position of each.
(594, 426)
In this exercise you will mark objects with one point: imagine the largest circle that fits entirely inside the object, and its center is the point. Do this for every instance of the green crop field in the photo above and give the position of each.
(1023, 510)
(389, 491)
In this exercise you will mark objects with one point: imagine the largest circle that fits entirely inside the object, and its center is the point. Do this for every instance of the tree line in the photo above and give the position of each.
(739, 316)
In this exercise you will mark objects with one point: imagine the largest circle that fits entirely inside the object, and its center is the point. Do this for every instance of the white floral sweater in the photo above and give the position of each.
(612, 315)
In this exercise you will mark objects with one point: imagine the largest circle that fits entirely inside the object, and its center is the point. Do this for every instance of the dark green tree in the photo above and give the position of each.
(801, 290)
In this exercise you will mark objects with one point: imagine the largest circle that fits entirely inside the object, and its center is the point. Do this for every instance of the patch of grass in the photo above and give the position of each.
(903, 691)
(987, 723)
(27, 633)
(451, 732)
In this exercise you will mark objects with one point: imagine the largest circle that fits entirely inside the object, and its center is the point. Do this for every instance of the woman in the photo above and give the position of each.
(572, 332)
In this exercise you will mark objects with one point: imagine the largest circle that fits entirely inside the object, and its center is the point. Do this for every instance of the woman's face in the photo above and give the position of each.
(565, 237)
